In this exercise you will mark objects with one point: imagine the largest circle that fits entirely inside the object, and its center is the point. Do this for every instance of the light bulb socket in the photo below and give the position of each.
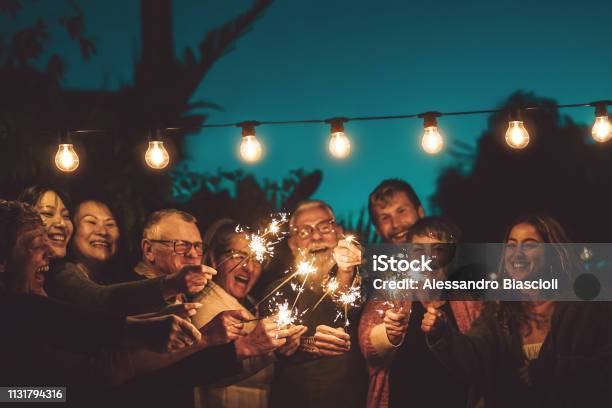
(601, 108)
(156, 134)
(248, 127)
(64, 137)
(429, 118)
(337, 124)
(515, 114)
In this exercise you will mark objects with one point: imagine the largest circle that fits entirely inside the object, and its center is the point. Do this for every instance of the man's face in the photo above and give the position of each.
(30, 261)
(235, 273)
(314, 234)
(163, 256)
(394, 216)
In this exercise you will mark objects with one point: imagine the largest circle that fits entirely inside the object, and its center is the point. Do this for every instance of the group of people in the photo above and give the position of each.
(185, 329)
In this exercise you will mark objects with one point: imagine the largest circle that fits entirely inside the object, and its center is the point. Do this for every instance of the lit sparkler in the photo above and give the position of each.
(304, 268)
(261, 244)
(348, 299)
(329, 288)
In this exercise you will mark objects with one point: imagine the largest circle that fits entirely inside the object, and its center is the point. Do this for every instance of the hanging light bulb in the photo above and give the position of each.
(602, 129)
(250, 148)
(432, 141)
(517, 136)
(66, 158)
(157, 156)
(339, 143)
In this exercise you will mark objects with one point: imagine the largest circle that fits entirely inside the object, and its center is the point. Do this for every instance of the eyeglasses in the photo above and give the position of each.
(181, 247)
(324, 227)
(240, 257)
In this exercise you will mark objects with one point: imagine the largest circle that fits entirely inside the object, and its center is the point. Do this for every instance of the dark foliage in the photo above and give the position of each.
(562, 172)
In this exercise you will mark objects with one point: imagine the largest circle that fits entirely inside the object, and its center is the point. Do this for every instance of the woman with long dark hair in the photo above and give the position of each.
(531, 353)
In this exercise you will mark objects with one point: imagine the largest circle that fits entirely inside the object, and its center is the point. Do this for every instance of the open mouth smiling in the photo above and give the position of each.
(103, 244)
(242, 279)
(57, 238)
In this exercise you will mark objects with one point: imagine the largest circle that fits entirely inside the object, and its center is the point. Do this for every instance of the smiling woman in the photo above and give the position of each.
(24, 257)
(53, 206)
(236, 274)
(96, 237)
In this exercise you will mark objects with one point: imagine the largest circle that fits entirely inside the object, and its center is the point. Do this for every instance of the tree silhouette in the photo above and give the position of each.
(34, 102)
(562, 172)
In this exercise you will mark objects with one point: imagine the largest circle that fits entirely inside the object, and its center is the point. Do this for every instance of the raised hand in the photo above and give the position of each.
(224, 327)
(347, 254)
(189, 279)
(433, 320)
(293, 342)
(396, 324)
(184, 310)
(161, 334)
(265, 338)
(328, 341)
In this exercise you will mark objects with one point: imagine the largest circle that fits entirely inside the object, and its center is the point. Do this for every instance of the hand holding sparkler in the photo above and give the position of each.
(224, 327)
(184, 310)
(190, 279)
(293, 343)
(265, 338)
(347, 255)
(161, 334)
(329, 341)
(396, 324)
(433, 321)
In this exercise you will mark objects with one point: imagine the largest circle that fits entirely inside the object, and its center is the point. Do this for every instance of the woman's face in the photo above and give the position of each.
(234, 274)
(524, 255)
(97, 232)
(432, 248)
(30, 261)
(57, 222)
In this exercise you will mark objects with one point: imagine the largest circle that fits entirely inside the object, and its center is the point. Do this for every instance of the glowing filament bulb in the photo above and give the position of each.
(602, 129)
(66, 158)
(517, 136)
(250, 149)
(432, 141)
(157, 156)
(339, 145)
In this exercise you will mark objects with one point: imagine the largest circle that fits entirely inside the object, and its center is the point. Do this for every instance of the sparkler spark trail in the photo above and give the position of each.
(303, 268)
(330, 288)
(284, 315)
(349, 298)
(261, 246)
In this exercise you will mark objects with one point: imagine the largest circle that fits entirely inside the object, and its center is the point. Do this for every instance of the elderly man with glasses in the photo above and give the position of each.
(328, 369)
(171, 241)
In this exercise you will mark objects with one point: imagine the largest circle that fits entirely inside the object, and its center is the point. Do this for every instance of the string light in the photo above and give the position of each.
(66, 158)
(517, 136)
(339, 143)
(339, 146)
(157, 156)
(432, 141)
(602, 129)
(250, 147)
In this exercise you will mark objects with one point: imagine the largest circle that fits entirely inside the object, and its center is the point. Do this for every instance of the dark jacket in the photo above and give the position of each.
(573, 368)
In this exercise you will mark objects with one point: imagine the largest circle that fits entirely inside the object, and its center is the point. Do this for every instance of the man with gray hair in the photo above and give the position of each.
(172, 244)
(328, 369)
